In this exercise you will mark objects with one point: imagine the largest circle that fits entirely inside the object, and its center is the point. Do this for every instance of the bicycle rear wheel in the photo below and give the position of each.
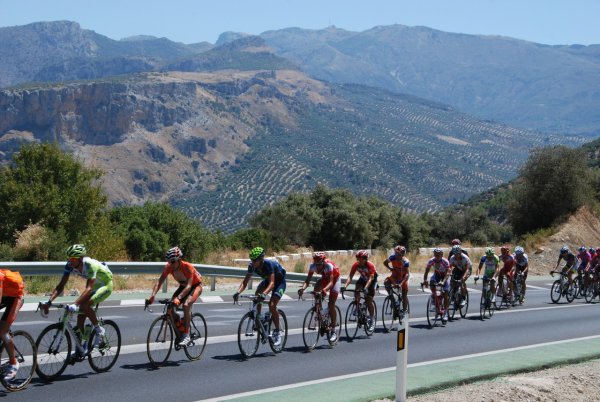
(555, 291)
(248, 336)
(482, 305)
(351, 321)
(159, 342)
(465, 308)
(310, 329)
(25, 354)
(283, 332)
(388, 314)
(491, 306)
(105, 355)
(431, 312)
(368, 331)
(338, 327)
(198, 337)
(572, 291)
(53, 347)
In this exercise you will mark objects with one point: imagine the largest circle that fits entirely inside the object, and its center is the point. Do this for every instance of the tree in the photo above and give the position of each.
(47, 186)
(552, 185)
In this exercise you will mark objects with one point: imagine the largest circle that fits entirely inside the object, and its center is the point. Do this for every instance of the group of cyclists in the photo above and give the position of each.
(585, 265)
(457, 265)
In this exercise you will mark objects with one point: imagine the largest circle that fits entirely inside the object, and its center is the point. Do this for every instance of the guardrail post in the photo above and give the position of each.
(401, 359)
(213, 282)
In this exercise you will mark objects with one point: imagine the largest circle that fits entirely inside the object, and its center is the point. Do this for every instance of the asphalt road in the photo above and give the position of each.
(222, 371)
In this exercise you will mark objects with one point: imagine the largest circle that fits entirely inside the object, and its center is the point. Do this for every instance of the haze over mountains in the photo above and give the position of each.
(222, 130)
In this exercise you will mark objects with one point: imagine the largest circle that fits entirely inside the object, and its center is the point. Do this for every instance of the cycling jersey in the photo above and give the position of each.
(328, 270)
(490, 264)
(267, 268)
(585, 259)
(509, 263)
(92, 269)
(183, 273)
(364, 271)
(12, 283)
(463, 264)
(400, 266)
(440, 266)
(521, 261)
(570, 259)
(451, 253)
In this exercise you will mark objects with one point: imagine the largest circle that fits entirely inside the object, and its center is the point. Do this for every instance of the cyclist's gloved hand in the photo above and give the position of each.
(300, 292)
(236, 297)
(261, 296)
(343, 289)
(73, 308)
(176, 301)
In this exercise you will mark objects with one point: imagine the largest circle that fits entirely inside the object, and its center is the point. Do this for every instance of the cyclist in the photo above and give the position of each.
(522, 266)
(11, 296)
(99, 285)
(190, 288)
(508, 271)
(584, 257)
(330, 281)
(456, 242)
(492, 264)
(400, 273)
(461, 266)
(273, 276)
(441, 273)
(366, 283)
(570, 263)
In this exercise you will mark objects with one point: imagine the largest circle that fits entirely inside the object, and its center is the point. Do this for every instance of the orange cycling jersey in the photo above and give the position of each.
(183, 273)
(12, 283)
(399, 266)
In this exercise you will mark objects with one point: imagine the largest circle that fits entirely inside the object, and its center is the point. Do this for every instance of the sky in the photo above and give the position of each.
(555, 22)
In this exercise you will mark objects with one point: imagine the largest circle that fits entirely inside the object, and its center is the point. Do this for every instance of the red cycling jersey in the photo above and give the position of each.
(183, 273)
(365, 271)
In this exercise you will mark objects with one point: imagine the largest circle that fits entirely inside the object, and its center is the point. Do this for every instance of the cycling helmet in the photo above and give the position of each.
(582, 249)
(319, 256)
(400, 249)
(437, 252)
(256, 253)
(504, 249)
(489, 252)
(592, 250)
(174, 252)
(76, 251)
(362, 254)
(598, 250)
(519, 250)
(455, 242)
(456, 250)
(564, 249)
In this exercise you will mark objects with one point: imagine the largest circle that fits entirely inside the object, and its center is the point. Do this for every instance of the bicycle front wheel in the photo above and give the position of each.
(432, 313)
(388, 314)
(555, 291)
(25, 354)
(159, 342)
(198, 337)
(53, 350)
(367, 329)
(283, 332)
(351, 322)
(465, 308)
(337, 328)
(103, 356)
(248, 336)
(482, 305)
(310, 329)
(572, 291)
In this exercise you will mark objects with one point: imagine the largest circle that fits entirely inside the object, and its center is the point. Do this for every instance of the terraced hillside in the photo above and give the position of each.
(416, 154)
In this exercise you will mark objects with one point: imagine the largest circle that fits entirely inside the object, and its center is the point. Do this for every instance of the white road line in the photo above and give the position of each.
(536, 287)
(384, 370)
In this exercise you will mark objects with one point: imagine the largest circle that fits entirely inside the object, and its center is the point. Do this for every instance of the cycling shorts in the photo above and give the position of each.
(278, 289)
(506, 272)
(192, 294)
(335, 289)
(436, 279)
(13, 305)
(361, 282)
(100, 293)
(457, 274)
(392, 280)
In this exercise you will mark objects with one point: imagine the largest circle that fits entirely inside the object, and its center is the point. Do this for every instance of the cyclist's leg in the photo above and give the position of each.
(446, 293)
(186, 304)
(13, 305)
(388, 283)
(101, 293)
(333, 296)
(463, 287)
(369, 299)
(276, 295)
(259, 289)
(405, 296)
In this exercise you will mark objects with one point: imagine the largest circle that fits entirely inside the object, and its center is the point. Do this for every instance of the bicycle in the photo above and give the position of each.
(255, 328)
(159, 342)
(26, 355)
(436, 309)
(55, 343)
(456, 299)
(561, 288)
(317, 323)
(358, 313)
(593, 289)
(391, 311)
(486, 305)
(519, 288)
(504, 293)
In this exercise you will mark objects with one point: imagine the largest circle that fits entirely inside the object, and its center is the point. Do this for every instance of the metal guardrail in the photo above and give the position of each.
(142, 268)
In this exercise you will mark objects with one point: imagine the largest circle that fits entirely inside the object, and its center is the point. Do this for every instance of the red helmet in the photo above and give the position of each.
(319, 256)
(400, 249)
(504, 249)
(455, 242)
(362, 254)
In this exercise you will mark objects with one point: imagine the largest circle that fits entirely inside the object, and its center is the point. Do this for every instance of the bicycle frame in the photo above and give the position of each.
(66, 326)
(257, 321)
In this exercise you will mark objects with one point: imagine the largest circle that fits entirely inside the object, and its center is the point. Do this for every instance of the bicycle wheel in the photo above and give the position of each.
(491, 306)
(198, 336)
(572, 291)
(453, 305)
(388, 313)
(53, 351)
(159, 342)
(482, 305)
(368, 331)
(351, 322)
(283, 332)
(338, 327)
(310, 329)
(25, 354)
(589, 294)
(104, 356)
(555, 291)
(431, 312)
(465, 308)
(248, 336)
